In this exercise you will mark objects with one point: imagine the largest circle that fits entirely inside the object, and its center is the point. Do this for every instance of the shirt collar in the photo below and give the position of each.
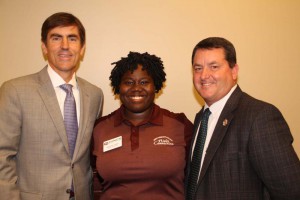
(155, 118)
(57, 80)
(218, 106)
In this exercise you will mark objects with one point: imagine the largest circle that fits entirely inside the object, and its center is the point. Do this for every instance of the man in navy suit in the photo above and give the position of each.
(248, 151)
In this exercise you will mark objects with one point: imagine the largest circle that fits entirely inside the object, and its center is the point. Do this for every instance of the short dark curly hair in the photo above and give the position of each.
(151, 63)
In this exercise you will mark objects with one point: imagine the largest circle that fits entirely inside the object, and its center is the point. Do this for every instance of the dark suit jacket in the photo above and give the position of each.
(251, 156)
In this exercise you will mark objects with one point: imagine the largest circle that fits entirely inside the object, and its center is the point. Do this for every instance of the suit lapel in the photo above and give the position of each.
(196, 123)
(84, 114)
(220, 130)
(217, 137)
(48, 95)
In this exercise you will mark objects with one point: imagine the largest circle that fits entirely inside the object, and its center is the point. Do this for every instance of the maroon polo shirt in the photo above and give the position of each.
(146, 161)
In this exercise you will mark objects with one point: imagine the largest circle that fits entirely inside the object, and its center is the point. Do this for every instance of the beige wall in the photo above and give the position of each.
(264, 32)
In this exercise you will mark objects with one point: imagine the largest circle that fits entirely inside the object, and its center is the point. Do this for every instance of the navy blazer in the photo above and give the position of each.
(250, 155)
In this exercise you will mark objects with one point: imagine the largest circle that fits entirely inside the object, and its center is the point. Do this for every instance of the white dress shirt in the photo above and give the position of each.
(215, 109)
(57, 80)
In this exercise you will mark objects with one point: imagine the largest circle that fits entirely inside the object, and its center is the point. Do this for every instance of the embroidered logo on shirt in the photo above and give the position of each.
(163, 140)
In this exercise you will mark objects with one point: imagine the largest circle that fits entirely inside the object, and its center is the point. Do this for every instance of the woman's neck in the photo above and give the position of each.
(137, 118)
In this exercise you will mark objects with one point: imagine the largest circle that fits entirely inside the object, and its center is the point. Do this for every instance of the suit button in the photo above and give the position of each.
(68, 191)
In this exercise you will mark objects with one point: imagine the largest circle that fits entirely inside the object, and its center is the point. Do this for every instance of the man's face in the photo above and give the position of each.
(63, 50)
(212, 76)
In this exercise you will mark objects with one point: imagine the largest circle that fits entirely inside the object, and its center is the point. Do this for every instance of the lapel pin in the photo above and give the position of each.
(225, 122)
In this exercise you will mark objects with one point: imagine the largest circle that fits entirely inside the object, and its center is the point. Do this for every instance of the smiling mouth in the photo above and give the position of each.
(65, 56)
(206, 84)
(136, 98)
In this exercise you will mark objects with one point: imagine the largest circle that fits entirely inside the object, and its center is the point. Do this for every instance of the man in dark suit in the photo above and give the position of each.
(247, 151)
(40, 158)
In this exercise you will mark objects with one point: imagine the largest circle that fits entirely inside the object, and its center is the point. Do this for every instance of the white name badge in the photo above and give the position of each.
(112, 144)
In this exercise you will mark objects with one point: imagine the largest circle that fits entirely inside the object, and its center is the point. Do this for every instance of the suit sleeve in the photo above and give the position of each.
(100, 108)
(10, 131)
(272, 154)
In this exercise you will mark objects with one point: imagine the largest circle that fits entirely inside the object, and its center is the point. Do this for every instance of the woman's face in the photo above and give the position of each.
(137, 91)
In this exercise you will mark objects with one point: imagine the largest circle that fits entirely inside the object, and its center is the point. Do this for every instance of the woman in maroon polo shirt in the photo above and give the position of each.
(140, 148)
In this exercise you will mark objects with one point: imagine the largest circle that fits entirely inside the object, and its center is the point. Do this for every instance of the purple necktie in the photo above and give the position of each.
(70, 117)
